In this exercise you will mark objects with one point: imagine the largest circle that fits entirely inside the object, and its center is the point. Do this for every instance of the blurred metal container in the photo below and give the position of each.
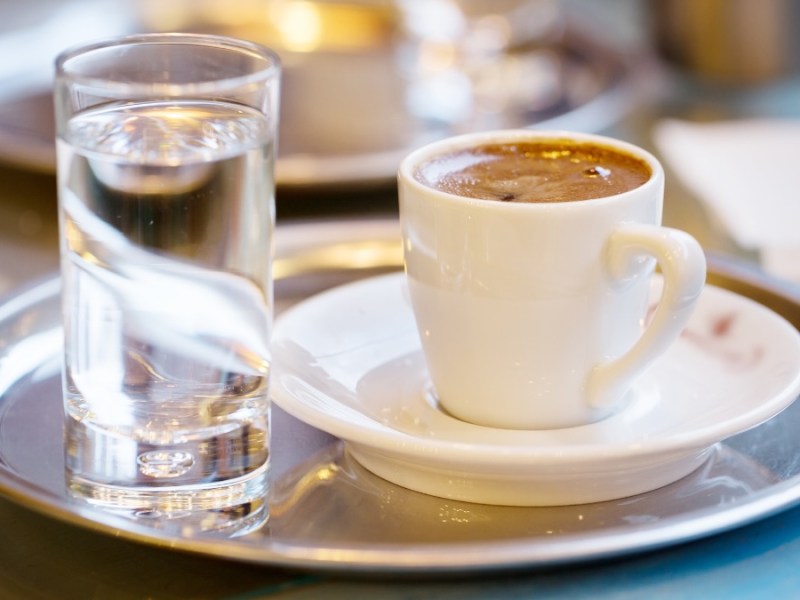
(729, 41)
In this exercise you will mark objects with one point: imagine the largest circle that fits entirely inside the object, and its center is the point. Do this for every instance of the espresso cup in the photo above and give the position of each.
(532, 300)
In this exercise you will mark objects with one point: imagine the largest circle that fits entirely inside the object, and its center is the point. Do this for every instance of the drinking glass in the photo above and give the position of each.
(166, 146)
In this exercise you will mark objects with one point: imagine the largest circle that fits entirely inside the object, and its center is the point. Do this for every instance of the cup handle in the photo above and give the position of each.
(683, 266)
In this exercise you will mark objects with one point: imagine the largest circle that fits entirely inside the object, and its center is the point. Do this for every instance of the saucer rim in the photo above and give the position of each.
(404, 444)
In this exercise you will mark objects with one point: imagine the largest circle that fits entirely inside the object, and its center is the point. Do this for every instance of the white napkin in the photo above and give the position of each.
(747, 172)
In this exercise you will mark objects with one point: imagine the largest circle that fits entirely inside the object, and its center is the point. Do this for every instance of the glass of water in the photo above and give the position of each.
(166, 146)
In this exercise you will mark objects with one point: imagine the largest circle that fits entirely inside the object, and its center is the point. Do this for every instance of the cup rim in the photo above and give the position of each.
(110, 86)
(405, 172)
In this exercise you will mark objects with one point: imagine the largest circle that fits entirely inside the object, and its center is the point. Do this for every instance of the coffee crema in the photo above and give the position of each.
(553, 170)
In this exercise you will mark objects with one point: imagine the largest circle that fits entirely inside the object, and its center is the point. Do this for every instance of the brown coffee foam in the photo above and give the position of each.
(540, 171)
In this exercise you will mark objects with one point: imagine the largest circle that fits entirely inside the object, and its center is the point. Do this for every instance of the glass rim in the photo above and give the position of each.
(270, 70)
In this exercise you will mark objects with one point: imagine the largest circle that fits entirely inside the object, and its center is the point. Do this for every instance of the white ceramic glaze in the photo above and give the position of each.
(532, 315)
(349, 362)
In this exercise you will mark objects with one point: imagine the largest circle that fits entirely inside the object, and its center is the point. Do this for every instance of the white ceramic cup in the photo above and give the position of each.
(533, 315)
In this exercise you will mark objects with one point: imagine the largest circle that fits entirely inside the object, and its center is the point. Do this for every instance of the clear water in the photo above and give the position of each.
(167, 215)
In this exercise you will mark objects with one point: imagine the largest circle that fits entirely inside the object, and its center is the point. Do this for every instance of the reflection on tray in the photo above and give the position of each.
(380, 512)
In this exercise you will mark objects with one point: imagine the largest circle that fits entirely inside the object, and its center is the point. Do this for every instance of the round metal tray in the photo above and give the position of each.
(328, 513)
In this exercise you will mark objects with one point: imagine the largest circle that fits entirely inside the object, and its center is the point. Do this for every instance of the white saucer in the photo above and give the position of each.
(349, 363)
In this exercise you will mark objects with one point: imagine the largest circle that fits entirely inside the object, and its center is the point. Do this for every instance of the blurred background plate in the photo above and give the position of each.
(344, 119)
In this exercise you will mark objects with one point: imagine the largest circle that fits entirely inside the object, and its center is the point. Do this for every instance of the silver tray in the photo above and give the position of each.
(327, 513)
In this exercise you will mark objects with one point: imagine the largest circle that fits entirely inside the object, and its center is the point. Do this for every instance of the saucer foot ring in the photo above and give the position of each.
(557, 488)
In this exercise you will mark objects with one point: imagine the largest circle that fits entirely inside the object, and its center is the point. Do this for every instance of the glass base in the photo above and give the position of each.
(214, 484)
(231, 509)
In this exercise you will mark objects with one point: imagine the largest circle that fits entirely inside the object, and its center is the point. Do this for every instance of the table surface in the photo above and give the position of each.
(44, 558)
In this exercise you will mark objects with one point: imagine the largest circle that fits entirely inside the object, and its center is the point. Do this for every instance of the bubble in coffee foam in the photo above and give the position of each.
(539, 171)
